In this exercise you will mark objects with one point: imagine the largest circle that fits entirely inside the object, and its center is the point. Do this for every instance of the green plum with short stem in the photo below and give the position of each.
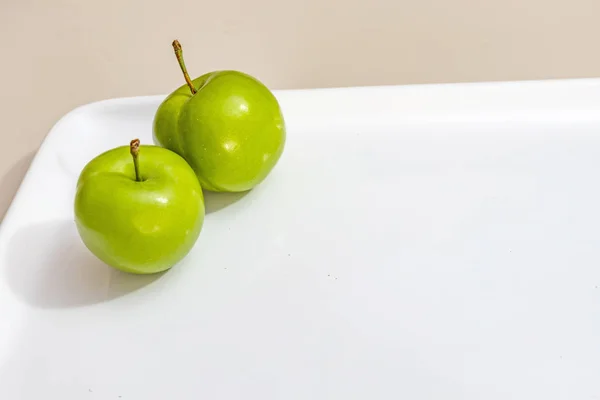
(139, 209)
(227, 125)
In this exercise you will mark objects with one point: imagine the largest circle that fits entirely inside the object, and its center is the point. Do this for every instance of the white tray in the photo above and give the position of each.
(418, 242)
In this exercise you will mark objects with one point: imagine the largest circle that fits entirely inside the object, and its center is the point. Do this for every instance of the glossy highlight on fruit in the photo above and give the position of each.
(226, 124)
(139, 209)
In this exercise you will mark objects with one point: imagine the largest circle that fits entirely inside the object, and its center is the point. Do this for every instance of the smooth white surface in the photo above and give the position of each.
(420, 242)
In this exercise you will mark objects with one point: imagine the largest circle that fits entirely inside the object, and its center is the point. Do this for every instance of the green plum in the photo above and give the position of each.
(226, 124)
(140, 215)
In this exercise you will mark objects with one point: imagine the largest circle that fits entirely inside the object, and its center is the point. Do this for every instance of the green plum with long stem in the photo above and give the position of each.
(140, 209)
(226, 124)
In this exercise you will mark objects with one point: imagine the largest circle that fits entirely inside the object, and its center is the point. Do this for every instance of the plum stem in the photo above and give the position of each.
(134, 149)
(179, 55)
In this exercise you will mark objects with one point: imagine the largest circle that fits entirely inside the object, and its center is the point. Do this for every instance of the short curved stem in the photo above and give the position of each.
(134, 149)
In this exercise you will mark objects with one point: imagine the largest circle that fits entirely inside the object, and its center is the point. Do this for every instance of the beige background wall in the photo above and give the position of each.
(58, 54)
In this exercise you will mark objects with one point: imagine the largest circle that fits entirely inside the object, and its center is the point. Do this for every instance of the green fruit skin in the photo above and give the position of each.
(231, 132)
(139, 227)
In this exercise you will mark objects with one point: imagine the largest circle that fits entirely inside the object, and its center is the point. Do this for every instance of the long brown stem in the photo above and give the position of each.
(179, 55)
(134, 149)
